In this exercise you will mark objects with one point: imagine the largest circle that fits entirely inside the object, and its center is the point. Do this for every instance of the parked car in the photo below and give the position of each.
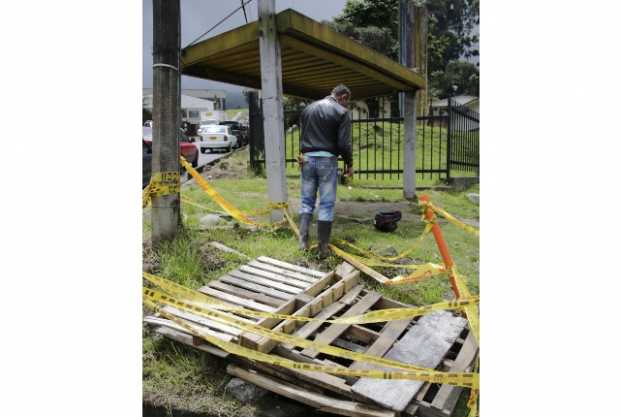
(237, 129)
(187, 149)
(147, 156)
(217, 137)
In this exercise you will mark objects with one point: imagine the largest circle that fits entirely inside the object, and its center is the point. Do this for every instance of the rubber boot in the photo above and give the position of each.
(304, 230)
(324, 230)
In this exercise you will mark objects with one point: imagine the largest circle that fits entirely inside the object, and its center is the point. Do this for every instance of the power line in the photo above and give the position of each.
(244, 13)
(243, 4)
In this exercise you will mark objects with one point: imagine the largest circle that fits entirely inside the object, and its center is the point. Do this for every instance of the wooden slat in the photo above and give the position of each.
(361, 333)
(292, 267)
(265, 282)
(462, 363)
(321, 402)
(384, 342)
(274, 277)
(318, 286)
(188, 340)
(312, 326)
(282, 296)
(284, 272)
(240, 292)
(321, 301)
(253, 340)
(243, 302)
(159, 321)
(204, 322)
(335, 330)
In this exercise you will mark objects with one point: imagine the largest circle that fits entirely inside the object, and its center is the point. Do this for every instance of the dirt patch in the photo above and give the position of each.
(364, 211)
(234, 166)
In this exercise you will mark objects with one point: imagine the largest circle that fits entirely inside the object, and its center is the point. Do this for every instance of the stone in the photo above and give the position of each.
(389, 251)
(210, 220)
(425, 344)
(243, 391)
(474, 198)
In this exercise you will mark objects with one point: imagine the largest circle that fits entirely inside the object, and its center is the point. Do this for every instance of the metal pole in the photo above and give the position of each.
(273, 120)
(449, 143)
(165, 212)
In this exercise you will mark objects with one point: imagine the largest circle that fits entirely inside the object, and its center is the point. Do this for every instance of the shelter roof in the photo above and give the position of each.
(315, 58)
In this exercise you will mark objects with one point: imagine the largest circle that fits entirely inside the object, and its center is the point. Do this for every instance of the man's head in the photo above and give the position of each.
(342, 94)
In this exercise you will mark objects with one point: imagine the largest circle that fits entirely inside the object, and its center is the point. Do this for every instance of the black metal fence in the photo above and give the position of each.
(464, 126)
(378, 139)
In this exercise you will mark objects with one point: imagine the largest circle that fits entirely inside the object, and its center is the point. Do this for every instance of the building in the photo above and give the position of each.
(441, 106)
(194, 110)
(217, 97)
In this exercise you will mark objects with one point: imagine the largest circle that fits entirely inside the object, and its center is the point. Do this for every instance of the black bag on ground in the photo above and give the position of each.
(387, 221)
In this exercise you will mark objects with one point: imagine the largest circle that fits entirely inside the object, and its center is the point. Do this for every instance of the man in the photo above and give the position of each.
(325, 134)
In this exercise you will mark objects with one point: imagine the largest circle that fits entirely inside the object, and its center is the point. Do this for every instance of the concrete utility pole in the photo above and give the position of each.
(165, 213)
(273, 118)
(407, 55)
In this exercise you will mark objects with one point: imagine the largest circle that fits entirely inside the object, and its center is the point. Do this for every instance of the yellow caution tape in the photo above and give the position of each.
(425, 271)
(228, 207)
(215, 196)
(403, 254)
(186, 200)
(451, 218)
(185, 294)
(465, 379)
(162, 183)
(472, 403)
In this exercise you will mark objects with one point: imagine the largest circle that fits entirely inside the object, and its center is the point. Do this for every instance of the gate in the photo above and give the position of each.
(378, 142)
(464, 153)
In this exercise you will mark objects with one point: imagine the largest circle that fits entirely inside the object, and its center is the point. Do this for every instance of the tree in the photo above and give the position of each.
(460, 77)
(451, 38)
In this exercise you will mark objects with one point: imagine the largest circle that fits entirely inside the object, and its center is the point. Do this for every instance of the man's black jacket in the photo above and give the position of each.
(326, 126)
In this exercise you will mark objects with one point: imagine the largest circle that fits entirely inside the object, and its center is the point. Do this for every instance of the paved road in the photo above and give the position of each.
(204, 159)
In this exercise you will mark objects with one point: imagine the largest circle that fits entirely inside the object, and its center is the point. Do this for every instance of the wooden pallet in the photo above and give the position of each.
(266, 284)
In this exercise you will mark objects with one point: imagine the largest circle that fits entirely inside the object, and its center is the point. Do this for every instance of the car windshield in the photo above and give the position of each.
(214, 129)
(147, 133)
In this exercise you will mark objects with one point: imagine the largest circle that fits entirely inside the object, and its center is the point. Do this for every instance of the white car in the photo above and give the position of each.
(216, 137)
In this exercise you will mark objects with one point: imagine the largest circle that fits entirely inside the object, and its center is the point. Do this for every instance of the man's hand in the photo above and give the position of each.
(300, 160)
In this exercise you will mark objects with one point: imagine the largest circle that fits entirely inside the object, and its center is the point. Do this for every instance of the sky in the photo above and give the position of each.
(199, 15)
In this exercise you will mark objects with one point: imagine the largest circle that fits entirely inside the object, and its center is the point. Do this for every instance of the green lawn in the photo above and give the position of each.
(171, 370)
(380, 146)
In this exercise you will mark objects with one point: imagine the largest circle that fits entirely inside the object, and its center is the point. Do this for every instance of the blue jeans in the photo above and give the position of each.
(319, 173)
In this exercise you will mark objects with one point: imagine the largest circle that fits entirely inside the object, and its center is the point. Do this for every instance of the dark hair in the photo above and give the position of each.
(340, 90)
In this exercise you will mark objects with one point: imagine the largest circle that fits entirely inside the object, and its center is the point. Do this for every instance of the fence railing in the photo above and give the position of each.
(378, 142)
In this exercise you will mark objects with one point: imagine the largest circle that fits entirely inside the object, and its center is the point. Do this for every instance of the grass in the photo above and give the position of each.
(180, 376)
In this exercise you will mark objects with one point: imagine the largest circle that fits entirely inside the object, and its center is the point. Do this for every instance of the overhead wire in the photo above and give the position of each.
(244, 13)
(243, 4)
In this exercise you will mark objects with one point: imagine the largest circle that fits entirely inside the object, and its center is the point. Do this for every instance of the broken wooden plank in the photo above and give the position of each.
(292, 267)
(188, 340)
(319, 401)
(425, 344)
(384, 342)
(266, 282)
(241, 283)
(367, 270)
(240, 292)
(335, 330)
(448, 395)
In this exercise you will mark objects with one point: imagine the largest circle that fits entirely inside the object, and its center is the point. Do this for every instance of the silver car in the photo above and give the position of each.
(216, 137)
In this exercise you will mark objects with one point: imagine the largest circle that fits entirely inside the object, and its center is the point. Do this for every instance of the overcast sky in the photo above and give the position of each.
(199, 15)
